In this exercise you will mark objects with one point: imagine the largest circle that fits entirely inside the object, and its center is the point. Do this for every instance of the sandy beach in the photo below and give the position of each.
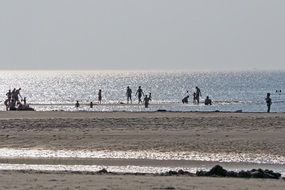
(44, 180)
(250, 133)
(203, 132)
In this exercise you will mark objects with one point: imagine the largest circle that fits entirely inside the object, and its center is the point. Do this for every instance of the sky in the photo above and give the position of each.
(189, 35)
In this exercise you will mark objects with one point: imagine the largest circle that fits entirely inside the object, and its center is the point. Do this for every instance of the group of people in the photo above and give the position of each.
(139, 94)
(196, 97)
(14, 103)
(147, 98)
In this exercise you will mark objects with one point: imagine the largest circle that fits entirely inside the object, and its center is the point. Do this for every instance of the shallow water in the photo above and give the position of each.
(230, 91)
(152, 155)
(198, 161)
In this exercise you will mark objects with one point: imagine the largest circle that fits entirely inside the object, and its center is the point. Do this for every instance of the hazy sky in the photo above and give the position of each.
(206, 35)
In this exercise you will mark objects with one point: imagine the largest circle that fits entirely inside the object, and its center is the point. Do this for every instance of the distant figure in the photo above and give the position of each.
(198, 94)
(25, 101)
(149, 96)
(17, 94)
(100, 96)
(12, 105)
(278, 91)
(77, 104)
(185, 100)
(91, 104)
(9, 95)
(194, 98)
(268, 102)
(129, 94)
(13, 94)
(146, 101)
(187, 94)
(140, 94)
(208, 101)
(20, 106)
(7, 104)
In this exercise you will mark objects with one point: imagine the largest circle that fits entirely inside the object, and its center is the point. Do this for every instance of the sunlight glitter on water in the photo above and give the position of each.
(94, 168)
(230, 91)
(151, 155)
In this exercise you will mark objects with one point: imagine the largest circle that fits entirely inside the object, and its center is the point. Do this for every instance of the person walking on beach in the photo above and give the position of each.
(198, 94)
(100, 96)
(129, 94)
(140, 94)
(91, 104)
(268, 102)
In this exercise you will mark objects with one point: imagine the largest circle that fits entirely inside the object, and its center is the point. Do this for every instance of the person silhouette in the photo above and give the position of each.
(100, 96)
(194, 98)
(149, 96)
(77, 104)
(208, 101)
(185, 100)
(17, 94)
(9, 95)
(198, 94)
(268, 102)
(140, 94)
(129, 94)
(146, 101)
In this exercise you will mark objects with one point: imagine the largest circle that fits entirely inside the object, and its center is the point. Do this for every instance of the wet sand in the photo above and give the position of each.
(252, 133)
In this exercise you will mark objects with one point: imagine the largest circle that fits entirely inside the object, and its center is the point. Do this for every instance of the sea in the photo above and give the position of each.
(230, 91)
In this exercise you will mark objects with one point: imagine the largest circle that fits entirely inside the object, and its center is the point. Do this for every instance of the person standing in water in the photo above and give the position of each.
(268, 102)
(198, 94)
(140, 94)
(9, 95)
(77, 104)
(100, 96)
(129, 94)
(194, 98)
(17, 94)
(146, 101)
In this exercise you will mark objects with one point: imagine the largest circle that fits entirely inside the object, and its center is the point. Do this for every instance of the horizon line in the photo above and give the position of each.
(149, 70)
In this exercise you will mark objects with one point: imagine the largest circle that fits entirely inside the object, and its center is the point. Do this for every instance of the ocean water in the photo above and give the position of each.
(230, 91)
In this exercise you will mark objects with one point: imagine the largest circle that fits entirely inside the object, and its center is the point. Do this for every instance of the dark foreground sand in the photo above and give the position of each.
(52, 181)
(202, 132)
